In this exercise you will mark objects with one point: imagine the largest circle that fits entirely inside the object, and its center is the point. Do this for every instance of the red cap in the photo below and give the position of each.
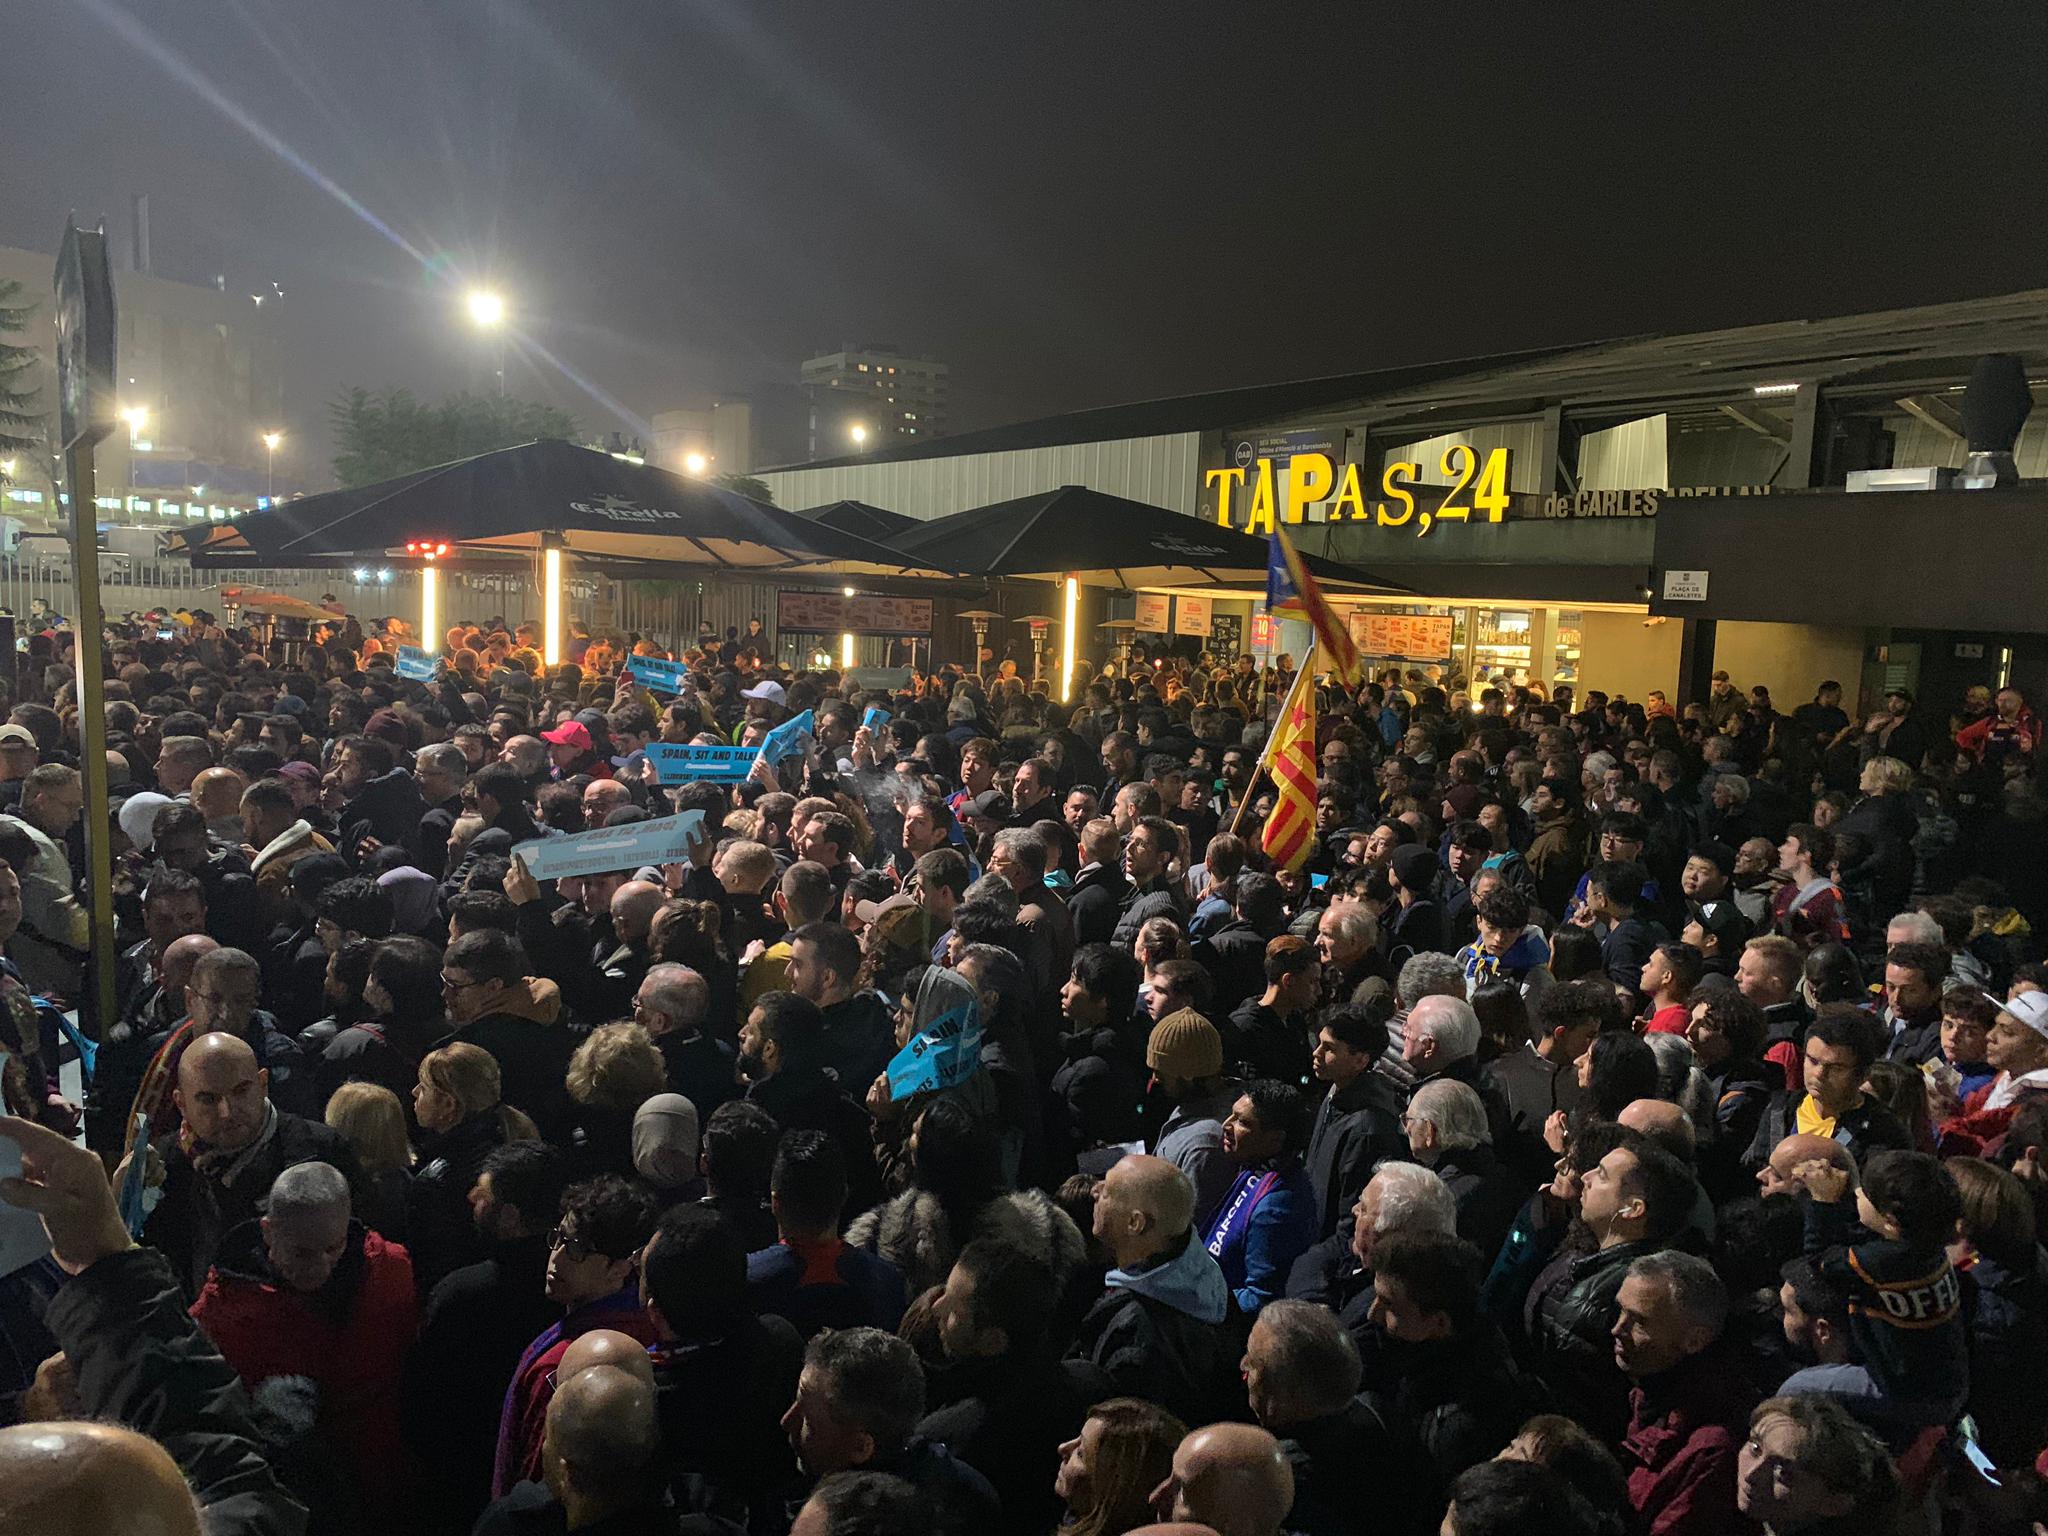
(571, 733)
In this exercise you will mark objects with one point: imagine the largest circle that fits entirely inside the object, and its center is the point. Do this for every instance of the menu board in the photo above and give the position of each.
(1226, 636)
(1412, 636)
(815, 612)
(1151, 612)
(1191, 616)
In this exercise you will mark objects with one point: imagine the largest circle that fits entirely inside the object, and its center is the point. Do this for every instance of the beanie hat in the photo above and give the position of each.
(1415, 868)
(1184, 1045)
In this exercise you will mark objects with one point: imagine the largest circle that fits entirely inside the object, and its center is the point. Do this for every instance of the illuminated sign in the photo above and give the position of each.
(1311, 478)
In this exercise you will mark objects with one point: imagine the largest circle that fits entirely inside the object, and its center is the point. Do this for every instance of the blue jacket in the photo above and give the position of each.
(1266, 1222)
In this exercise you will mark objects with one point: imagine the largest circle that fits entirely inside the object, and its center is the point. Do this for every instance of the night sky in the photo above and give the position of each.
(1071, 204)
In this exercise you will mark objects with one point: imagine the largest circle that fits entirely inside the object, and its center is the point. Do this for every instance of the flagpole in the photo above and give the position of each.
(1301, 679)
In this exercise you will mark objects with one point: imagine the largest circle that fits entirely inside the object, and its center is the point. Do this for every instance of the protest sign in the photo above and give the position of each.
(875, 718)
(415, 664)
(788, 738)
(663, 841)
(654, 673)
(943, 1054)
(677, 763)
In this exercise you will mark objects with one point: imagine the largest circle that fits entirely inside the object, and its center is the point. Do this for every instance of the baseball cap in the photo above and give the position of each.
(1901, 692)
(16, 736)
(990, 805)
(570, 733)
(771, 691)
(2030, 1008)
(299, 769)
(875, 911)
(1725, 923)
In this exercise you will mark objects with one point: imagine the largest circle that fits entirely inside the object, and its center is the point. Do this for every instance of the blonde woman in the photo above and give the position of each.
(1885, 823)
(462, 1117)
(372, 1120)
(616, 1070)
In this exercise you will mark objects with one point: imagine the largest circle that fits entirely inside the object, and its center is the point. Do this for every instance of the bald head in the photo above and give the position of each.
(218, 792)
(71, 1479)
(1159, 1189)
(222, 1092)
(1664, 1123)
(605, 1347)
(1777, 1176)
(215, 1059)
(633, 907)
(601, 1430)
(182, 955)
(1233, 1478)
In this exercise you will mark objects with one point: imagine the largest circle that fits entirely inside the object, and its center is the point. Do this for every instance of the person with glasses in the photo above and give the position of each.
(495, 1003)
(593, 1276)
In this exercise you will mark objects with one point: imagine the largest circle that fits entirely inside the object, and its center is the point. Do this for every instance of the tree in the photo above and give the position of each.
(745, 485)
(21, 424)
(377, 436)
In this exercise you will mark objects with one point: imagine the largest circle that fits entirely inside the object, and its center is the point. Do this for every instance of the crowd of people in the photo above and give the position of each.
(1625, 1119)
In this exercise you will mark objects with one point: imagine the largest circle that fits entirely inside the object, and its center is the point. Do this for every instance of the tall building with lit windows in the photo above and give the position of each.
(873, 396)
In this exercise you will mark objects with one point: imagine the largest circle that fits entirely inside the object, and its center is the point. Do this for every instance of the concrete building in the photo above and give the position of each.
(872, 397)
(200, 384)
(711, 437)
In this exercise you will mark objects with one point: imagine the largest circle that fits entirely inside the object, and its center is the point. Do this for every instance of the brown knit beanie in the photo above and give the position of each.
(1184, 1045)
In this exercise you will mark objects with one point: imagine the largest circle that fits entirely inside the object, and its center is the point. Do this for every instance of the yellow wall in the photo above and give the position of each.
(1788, 659)
(1620, 654)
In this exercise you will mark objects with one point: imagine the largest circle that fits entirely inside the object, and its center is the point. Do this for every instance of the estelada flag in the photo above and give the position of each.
(1290, 831)
(1291, 589)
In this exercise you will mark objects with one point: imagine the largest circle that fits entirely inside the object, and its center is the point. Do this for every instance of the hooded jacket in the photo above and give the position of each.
(1526, 964)
(912, 1232)
(526, 1037)
(1158, 1332)
(273, 868)
(350, 1338)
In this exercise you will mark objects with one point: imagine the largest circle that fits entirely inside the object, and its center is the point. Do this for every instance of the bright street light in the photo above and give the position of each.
(486, 308)
(270, 445)
(858, 433)
(695, 463)
(7, 468)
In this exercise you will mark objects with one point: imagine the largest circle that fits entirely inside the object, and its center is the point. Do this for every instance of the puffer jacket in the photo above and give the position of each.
(1160, 1332)
(912, 1232)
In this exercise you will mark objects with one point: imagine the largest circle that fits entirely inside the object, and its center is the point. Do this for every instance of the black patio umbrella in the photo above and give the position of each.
(1107, 541)
(608, 511)
(860, 518)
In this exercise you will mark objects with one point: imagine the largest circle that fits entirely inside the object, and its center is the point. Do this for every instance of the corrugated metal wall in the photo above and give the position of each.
(1625, 458)
(1164, 471)
(1916, 444)
(1522, 439)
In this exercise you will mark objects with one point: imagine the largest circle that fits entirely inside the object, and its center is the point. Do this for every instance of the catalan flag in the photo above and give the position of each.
(1291, 589)
(1290, 831)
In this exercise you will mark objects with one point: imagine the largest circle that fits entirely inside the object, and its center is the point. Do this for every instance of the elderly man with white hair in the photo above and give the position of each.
(1443, 1042)
(1424, 975)
(1448, 1133)
(1337, 1272)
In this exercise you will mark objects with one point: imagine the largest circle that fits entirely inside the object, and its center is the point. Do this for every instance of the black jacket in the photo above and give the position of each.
(809, 1098)
(1352, 1461)
(533, 1064)
(388, 808)
(1235, 956)
(700, 1069)
(427, 843)
(1162, 900)
(1569, 1319)
(721, 1395)
(1354, 1128)
(1148, 1348)
(142, 1362)
(199, 1209)
(1267, 1044)
(1488, 1196)
(1096, 902)
(443, 1231)
(1869, 1127)
(1007, 1419)
(1462, 1398)
(859, 1041)
(1098, 1093)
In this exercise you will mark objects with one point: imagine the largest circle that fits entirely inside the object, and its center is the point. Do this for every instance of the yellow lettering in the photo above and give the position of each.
(1491, 494)
(1349, 494)
(1309, 478)
(1225, 481)
(1461, 463)
(1261, 518)
(1398, 482)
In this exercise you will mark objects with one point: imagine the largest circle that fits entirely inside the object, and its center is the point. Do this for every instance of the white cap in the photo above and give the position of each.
(771, 691)
(2030, 1008)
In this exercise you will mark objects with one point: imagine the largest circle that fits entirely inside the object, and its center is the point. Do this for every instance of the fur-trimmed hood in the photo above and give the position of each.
(911, 1231)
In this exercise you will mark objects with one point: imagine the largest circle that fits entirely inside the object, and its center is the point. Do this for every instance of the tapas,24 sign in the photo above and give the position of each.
(1310, 479)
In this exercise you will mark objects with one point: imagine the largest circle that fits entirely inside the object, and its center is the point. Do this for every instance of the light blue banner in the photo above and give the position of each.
(676, 763)
(415, 663)
(787, 739)
(875, 717)
(943, 1055)
(661, 676)
(663, 841)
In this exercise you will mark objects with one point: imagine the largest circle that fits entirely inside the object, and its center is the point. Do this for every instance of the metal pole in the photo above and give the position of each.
(89, 655)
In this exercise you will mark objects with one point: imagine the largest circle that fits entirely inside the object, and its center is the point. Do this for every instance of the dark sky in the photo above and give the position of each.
(1071, 204)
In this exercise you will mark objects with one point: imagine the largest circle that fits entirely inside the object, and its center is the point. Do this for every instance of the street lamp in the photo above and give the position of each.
(487, 313)
(695, 463)
(270, 445)
(858, 432)
(137, 417)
